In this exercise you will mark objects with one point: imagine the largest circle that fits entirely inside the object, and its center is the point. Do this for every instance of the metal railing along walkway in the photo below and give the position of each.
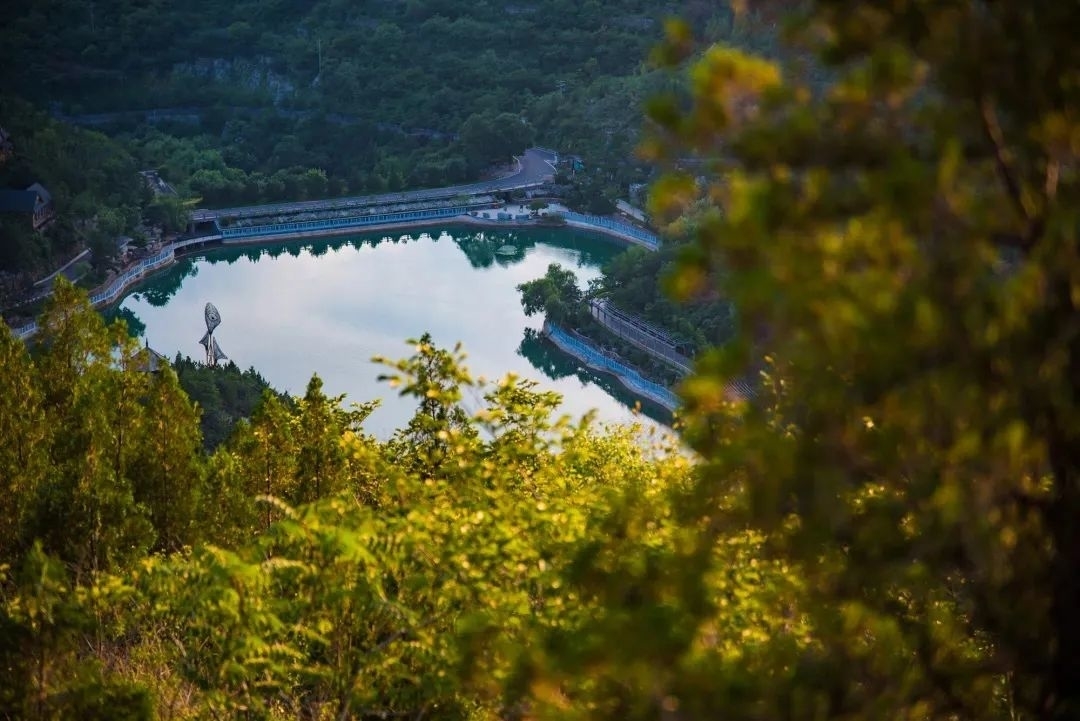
(644, 237)
(638, 332)
(117, 286)
(333, 223)
(628, 376)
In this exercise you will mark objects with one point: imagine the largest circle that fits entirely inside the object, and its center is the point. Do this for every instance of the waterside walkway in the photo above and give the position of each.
(594, 358)
(415, 218)
(632, 329)
(112, 290)
(465, 214)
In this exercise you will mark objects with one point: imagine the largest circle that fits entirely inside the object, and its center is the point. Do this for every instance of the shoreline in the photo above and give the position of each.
(111, 295)
(628, 376)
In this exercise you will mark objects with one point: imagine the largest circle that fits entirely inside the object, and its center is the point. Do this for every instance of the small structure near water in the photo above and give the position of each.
(213, 350)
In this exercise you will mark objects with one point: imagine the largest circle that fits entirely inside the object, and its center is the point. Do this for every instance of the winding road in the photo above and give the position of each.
(534, 167)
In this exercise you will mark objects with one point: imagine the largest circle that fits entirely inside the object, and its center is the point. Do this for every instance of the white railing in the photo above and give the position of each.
(25, 331)
(110, 292)
(117, 286)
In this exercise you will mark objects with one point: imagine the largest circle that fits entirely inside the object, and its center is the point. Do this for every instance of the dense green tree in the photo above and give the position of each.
(168, 469)
(23, 462)
(22, 248)
(266, 443)
(44, 624)
(170, 212)
(440, 428)
(489, 137)
(92, 179)
(320, 459)
(225, 395)
(228, 515)
(86, 512)
(346, 609)
(592, 192)
(556, 295)
(419, 588)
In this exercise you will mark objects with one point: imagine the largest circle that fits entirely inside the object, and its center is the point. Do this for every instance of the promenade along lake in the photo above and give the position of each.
(328, 305)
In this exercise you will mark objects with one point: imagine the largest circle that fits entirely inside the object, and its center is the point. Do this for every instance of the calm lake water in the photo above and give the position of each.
(327, 306)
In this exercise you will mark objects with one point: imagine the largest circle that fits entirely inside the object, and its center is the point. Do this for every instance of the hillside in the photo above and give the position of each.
(375, 95)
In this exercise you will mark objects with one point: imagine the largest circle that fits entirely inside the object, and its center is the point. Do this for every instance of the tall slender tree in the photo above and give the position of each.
(265, 447)
(168, 471)
(23, 459)
(320, 459)
(87, 513)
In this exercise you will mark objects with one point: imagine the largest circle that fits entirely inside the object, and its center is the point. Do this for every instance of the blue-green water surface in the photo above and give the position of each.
(327, 306)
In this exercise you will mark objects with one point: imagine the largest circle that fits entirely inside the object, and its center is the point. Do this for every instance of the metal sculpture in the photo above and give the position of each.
(213, 350)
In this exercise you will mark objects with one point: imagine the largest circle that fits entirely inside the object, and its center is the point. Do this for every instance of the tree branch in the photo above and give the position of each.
(992, 128)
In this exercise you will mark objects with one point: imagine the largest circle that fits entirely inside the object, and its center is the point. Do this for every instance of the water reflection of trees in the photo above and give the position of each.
(161, 287)
(479, 246)
(135, 327)
(482, 248)
(545, 357)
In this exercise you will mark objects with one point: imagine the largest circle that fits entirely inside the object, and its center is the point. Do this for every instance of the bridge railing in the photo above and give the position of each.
(331, 223)
(117, 286)
(630, 377)
(113, 289)
(634, 330)
(411, 196)
(649, 240)
(179, 244)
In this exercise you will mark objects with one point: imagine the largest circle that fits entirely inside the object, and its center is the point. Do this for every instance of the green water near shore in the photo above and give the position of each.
(327, 306)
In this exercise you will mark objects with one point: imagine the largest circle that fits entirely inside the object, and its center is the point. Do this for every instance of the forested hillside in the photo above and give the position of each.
(375, 95)
(93, 180)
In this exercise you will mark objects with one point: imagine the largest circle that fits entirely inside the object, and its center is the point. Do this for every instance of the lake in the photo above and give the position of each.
(328, 305)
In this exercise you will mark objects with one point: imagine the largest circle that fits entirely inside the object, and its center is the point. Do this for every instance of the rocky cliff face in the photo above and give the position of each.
(251, 73)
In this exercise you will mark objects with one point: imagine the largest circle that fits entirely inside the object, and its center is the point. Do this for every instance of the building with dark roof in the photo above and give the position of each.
(155, 361)
(148, 360)
(35, 202)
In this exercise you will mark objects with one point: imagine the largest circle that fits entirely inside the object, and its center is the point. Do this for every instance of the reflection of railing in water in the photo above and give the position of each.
(628, 376)
(636, 331)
